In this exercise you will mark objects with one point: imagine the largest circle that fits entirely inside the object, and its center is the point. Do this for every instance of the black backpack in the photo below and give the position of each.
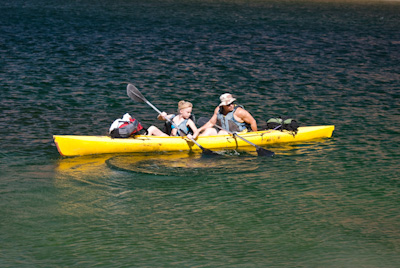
(283, 123)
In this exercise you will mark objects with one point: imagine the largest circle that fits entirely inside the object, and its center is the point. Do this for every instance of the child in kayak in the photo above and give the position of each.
(183, 122)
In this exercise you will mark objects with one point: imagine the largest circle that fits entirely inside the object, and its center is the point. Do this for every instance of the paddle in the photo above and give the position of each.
(260, 151)
(135, 95)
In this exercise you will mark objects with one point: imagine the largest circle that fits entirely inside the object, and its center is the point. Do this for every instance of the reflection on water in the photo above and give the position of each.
(175, 164)
(188, 163)
(84, 164)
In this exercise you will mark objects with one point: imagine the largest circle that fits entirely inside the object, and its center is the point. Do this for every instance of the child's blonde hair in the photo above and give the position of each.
(184, 104)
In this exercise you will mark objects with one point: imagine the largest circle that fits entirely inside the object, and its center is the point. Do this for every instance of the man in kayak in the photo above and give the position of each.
(229, 116)
(183, 122)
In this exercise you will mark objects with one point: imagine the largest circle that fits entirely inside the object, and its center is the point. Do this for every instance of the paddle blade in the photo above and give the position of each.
(210, 153)
(205, 151)
(264, 152)
(134, 93)
(202, 121)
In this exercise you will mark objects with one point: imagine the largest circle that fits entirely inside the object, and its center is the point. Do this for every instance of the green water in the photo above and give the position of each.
(326, 203)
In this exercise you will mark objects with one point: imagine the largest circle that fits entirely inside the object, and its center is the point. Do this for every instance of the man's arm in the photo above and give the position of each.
(246, 117)
(211, 122)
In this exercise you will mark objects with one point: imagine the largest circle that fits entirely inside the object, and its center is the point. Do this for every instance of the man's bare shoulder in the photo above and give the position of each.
(241, 111)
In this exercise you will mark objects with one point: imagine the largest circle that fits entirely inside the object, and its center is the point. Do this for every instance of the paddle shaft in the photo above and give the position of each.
(260, 151)
(235, 134)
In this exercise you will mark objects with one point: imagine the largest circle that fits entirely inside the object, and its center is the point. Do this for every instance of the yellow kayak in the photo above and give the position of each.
(74, 145)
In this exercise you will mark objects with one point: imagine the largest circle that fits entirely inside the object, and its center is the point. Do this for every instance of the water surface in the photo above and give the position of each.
(331, 203)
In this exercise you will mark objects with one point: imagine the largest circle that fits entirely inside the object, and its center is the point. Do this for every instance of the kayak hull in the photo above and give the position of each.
(74, 145)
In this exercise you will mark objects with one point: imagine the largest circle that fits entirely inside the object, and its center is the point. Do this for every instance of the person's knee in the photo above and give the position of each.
(222, 132)
(151, 130)
(209, 132)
